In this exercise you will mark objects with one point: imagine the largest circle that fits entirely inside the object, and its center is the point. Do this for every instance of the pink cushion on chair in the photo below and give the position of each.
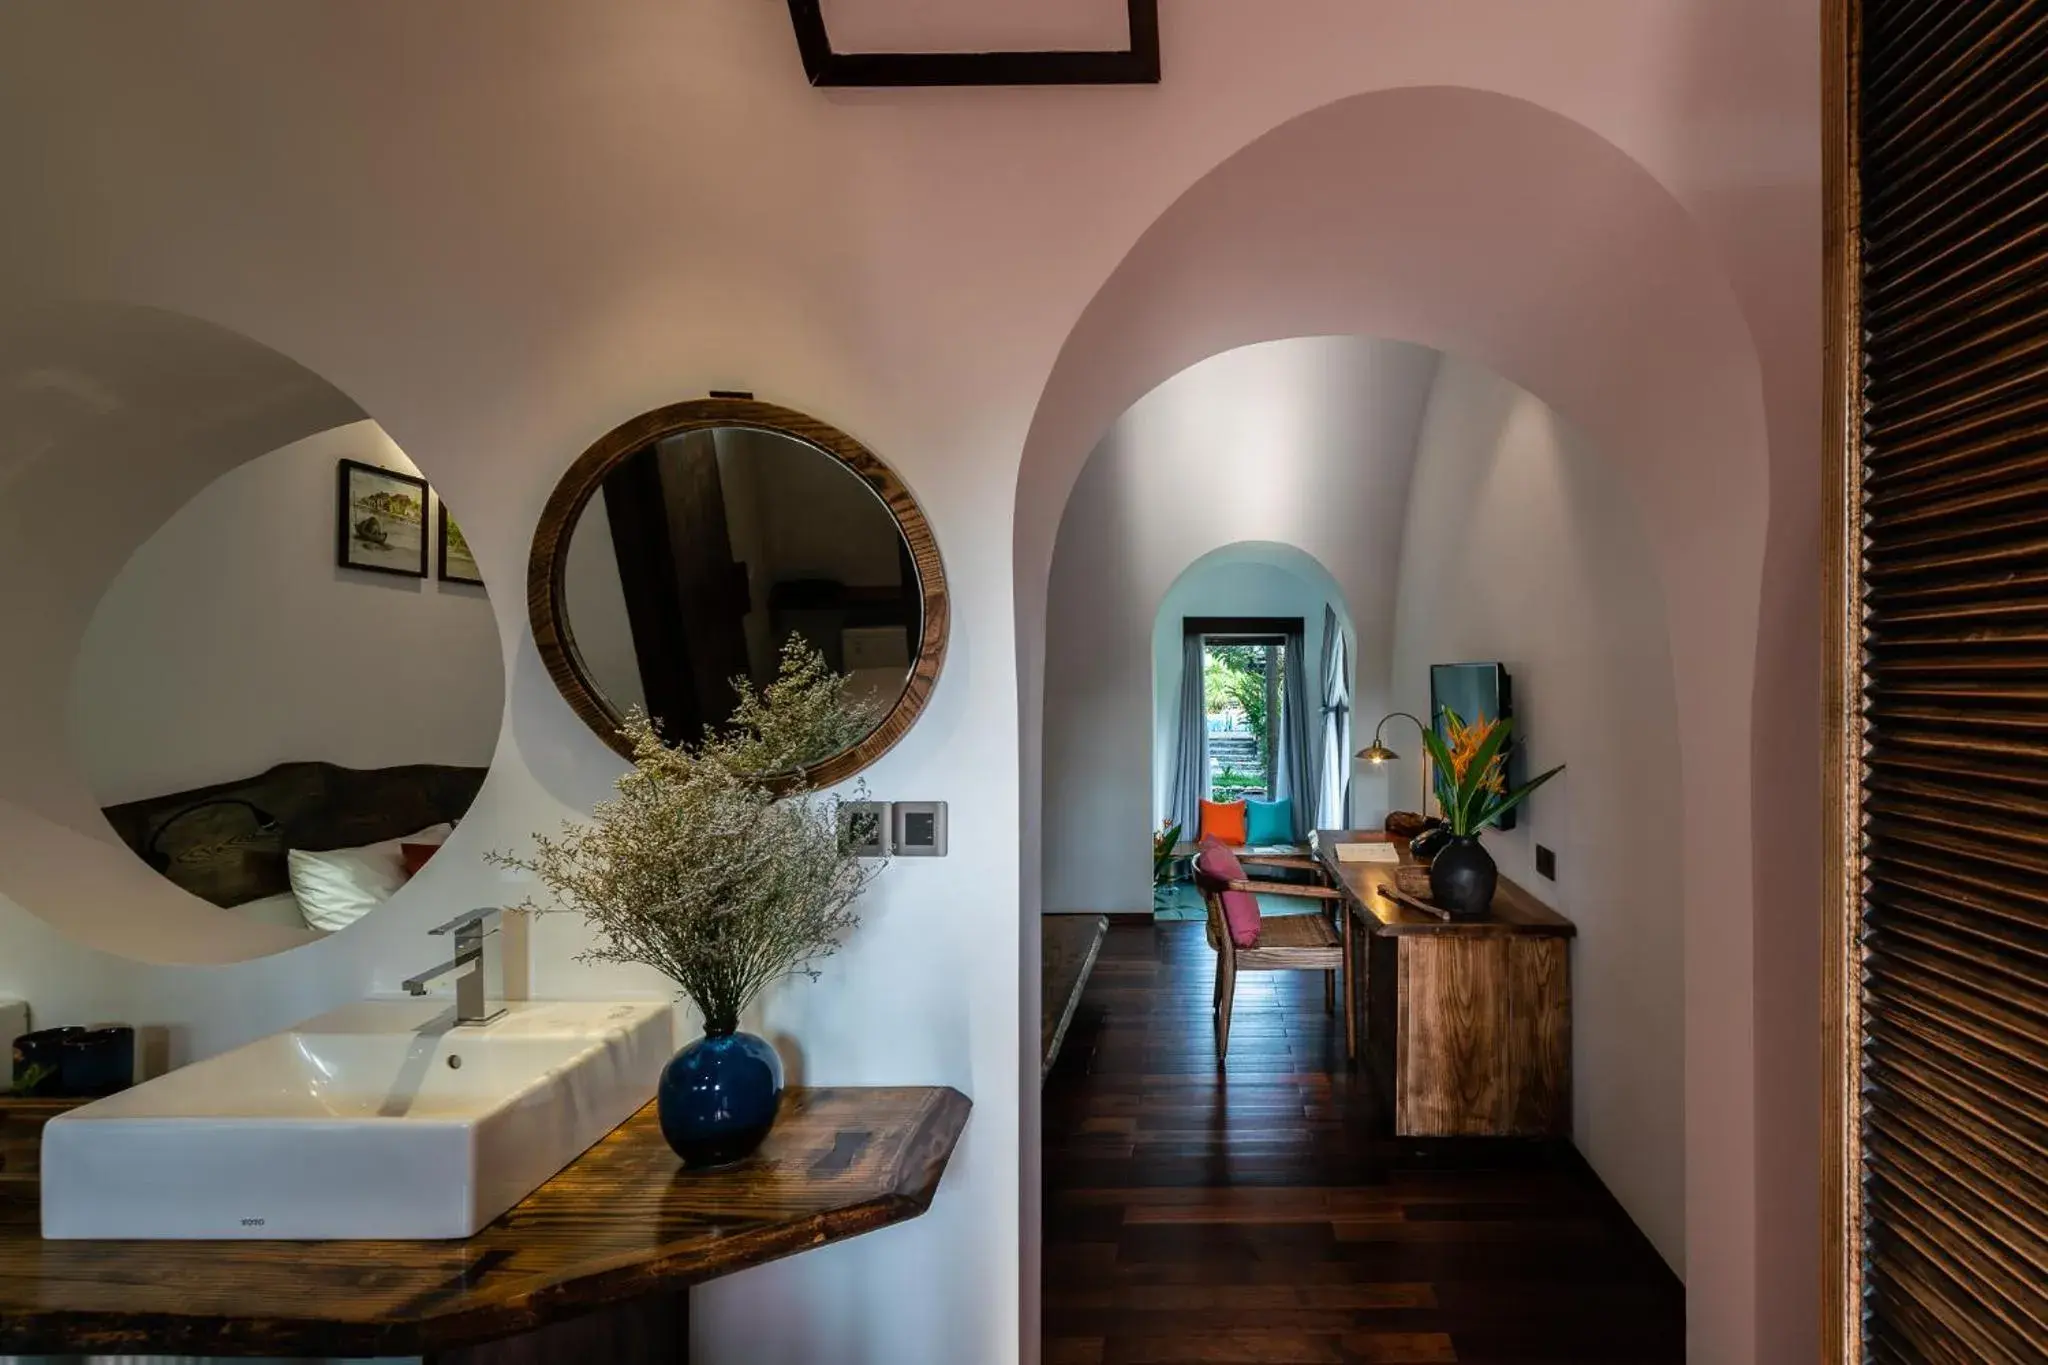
(1240, 908)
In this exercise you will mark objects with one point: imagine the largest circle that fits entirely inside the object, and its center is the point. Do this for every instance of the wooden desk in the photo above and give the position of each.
(1468, 1022)
(594, 1265)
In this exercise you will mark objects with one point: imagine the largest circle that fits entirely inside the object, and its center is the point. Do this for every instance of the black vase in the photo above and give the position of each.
(39, 1060)
(1462, 877)
(98, 1061)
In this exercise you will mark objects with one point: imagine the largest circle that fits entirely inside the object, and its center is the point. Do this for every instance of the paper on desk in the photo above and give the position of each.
(1368, 853)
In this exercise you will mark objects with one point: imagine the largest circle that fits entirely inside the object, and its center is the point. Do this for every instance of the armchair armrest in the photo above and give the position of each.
(1318, 893)
(1280, 860)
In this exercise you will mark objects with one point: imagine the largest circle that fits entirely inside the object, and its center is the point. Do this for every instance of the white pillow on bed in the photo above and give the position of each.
(338, 887)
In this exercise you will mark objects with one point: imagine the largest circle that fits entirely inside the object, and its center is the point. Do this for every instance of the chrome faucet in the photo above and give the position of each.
(470, 938)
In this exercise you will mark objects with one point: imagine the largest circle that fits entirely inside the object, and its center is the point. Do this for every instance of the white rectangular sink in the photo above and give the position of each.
(379, 1120)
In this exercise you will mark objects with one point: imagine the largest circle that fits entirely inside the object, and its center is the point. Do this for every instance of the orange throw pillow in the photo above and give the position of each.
(416, 855)
(1223, 821)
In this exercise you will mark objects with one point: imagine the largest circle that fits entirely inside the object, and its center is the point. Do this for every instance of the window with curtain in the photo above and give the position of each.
(1244, 724)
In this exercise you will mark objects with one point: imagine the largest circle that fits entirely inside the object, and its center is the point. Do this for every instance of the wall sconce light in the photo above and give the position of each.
(1377, 752)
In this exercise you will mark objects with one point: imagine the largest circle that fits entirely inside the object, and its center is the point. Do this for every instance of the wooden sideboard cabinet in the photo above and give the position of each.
(1468, 1022)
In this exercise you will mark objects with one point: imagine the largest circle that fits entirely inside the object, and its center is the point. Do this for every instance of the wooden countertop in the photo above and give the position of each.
(620, 1222)
(1514, 911)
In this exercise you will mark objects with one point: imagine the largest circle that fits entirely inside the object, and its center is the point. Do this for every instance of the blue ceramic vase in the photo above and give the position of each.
(718, 1096)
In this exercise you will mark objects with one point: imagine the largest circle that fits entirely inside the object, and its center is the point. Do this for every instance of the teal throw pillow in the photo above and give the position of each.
(1269, 822)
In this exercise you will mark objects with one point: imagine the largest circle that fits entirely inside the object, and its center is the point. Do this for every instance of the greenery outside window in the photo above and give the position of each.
(1243, 681)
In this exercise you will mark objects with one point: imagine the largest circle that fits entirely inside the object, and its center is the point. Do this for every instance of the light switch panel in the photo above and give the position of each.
(919, 829)
(865, 825)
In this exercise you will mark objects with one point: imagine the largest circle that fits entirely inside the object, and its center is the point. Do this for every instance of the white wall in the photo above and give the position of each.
(1224, 584)
(401, 197)
(1522, 546)
(231, 642)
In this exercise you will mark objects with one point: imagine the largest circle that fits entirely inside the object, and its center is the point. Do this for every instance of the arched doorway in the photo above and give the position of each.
(1490, 228)
(1256, 579)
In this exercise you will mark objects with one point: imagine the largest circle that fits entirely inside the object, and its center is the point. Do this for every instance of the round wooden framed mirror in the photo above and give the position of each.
(686, 546)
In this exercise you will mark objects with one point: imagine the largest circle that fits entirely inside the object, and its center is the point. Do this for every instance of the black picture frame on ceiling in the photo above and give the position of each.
(1135, 65)
(349, 550)
(444, 524)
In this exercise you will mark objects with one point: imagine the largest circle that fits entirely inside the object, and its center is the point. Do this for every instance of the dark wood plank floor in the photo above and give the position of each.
(1252, 1214)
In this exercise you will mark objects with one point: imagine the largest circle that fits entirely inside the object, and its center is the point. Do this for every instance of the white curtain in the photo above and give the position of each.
(1333, 768)
(1298, 751)
(1191, 750)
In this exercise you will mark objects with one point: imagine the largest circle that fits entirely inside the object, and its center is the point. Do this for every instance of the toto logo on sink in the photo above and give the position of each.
(252, 1222)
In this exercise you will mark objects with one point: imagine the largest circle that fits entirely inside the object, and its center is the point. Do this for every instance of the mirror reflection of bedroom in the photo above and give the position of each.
(286, 698)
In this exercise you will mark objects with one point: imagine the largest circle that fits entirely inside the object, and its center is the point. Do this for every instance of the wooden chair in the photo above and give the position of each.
(1287, 943)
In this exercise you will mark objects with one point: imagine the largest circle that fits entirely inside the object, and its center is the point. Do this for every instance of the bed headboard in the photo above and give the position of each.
(226, 843)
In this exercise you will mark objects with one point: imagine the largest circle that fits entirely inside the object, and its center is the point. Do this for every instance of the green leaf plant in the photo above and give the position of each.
(1164, 840)
(1471, 773)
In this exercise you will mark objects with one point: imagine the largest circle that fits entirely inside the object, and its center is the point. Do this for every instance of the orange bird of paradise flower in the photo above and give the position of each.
(1471, 763)
(1466, 738)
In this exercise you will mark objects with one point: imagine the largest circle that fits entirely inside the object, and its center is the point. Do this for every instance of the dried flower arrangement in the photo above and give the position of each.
(702, 870)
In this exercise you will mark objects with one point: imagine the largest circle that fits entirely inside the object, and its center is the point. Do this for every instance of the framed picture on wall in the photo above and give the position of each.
(381, 521)
(457, 564)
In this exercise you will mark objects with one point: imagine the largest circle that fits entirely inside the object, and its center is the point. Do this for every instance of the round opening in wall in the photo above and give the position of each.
(256, 674)
(290, 693)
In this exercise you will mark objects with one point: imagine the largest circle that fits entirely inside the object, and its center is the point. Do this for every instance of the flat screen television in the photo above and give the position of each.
(1475, 690)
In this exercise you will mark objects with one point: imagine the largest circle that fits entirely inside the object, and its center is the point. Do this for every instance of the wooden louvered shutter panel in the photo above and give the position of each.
(1952, 1138)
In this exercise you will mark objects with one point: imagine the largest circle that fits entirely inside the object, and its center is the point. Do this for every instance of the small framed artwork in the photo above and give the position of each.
(458, 565)
(381, 521)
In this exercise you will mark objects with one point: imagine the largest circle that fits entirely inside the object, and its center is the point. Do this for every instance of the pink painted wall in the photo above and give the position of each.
(500, 229)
